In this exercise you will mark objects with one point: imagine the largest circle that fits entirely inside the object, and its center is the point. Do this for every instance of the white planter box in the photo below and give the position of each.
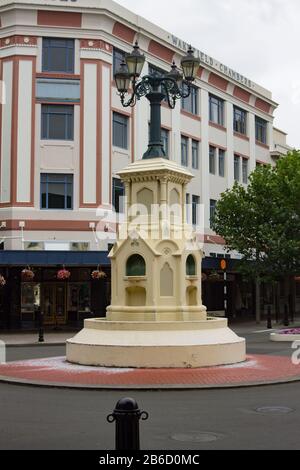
(284, 338)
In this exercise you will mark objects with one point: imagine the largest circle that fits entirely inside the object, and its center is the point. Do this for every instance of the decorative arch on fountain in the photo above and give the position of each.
(191, 266)
(168, 245)
(174, 197)
(175, 207)
(135, 266)
(145, 197)
(166, 281)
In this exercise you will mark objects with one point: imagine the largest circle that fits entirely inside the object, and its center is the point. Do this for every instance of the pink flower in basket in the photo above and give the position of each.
(27, 274)
(63, 275)
(2, 281)
(97, 275)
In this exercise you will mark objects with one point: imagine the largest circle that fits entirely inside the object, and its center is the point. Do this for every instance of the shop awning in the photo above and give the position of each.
(53, 258)
(80, 258)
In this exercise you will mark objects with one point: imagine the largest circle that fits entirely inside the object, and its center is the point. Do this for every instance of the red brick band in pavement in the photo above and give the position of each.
(57, 372)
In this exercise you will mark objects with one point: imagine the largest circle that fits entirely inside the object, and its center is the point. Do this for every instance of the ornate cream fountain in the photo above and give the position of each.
(156, 319)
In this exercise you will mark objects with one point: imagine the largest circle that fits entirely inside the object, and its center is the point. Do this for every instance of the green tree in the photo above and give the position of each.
(262, 222)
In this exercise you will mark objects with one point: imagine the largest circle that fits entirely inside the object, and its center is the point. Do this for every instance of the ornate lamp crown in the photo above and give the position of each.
(171, 86)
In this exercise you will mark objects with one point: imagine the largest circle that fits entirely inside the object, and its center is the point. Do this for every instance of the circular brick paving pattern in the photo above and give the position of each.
(257, 370)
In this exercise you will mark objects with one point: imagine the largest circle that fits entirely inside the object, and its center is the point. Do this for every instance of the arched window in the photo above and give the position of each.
(191, 266)
(136, 266)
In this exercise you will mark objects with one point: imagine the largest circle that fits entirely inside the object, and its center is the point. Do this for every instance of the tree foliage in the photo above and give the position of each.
(262, 221)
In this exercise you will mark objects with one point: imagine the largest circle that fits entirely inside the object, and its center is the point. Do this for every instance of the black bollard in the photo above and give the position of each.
(127, 416)
(277, 315)
(269, 318)
(41, 325)
(292, 308)
(286, 321)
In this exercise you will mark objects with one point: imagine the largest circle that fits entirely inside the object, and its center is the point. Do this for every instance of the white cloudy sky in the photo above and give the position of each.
(258, 38)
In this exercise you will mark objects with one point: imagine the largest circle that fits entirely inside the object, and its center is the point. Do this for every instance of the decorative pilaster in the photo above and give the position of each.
(17, 121)
(96, 126)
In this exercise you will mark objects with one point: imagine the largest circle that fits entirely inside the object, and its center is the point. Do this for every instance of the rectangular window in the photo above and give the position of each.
(34, 246)
(79, 246)
(195, 206)
(118, 57)
(187, 208)
(240, 120)
(216, 110)
(195, 154)
(261, 130)
(157, 72)
(190, 104)
(245, 170)
(57, 122)
(184, 151)
(237, 168)
(213, 204)
(165, 140)
(120, 131)
(212, 160)
(118, 194)
(56, 191)
(58, 55)
(221, 163)
(58, 90)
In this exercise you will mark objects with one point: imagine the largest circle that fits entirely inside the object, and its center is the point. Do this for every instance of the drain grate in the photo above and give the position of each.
(275, 410)
(197, 437)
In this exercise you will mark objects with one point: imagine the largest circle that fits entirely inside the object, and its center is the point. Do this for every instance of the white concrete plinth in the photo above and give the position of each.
(147, 345)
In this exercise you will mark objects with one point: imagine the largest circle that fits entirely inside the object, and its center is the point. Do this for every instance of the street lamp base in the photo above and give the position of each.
(154, 151)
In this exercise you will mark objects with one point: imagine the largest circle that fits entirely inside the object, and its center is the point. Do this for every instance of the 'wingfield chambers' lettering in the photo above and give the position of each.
(206, 59)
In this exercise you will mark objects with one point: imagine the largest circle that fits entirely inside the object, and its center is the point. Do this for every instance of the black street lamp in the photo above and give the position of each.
(172, 85)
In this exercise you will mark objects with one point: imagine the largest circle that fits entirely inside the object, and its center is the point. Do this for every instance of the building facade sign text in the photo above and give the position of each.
(208, 60)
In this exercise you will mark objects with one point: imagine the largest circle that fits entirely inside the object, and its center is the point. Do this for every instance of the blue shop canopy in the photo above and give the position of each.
(53, 258)
(81, 258)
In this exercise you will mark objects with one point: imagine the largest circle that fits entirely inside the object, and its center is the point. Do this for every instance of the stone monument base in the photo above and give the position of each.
(151, 345)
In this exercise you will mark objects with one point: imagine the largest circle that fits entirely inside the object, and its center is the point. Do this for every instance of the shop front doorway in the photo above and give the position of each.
(54, 303)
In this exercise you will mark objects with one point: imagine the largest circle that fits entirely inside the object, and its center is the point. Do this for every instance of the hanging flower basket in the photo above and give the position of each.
(214, 277)
(27, 274)
(2, 281)
(98, 274)
(204, 277)
(63, 275)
